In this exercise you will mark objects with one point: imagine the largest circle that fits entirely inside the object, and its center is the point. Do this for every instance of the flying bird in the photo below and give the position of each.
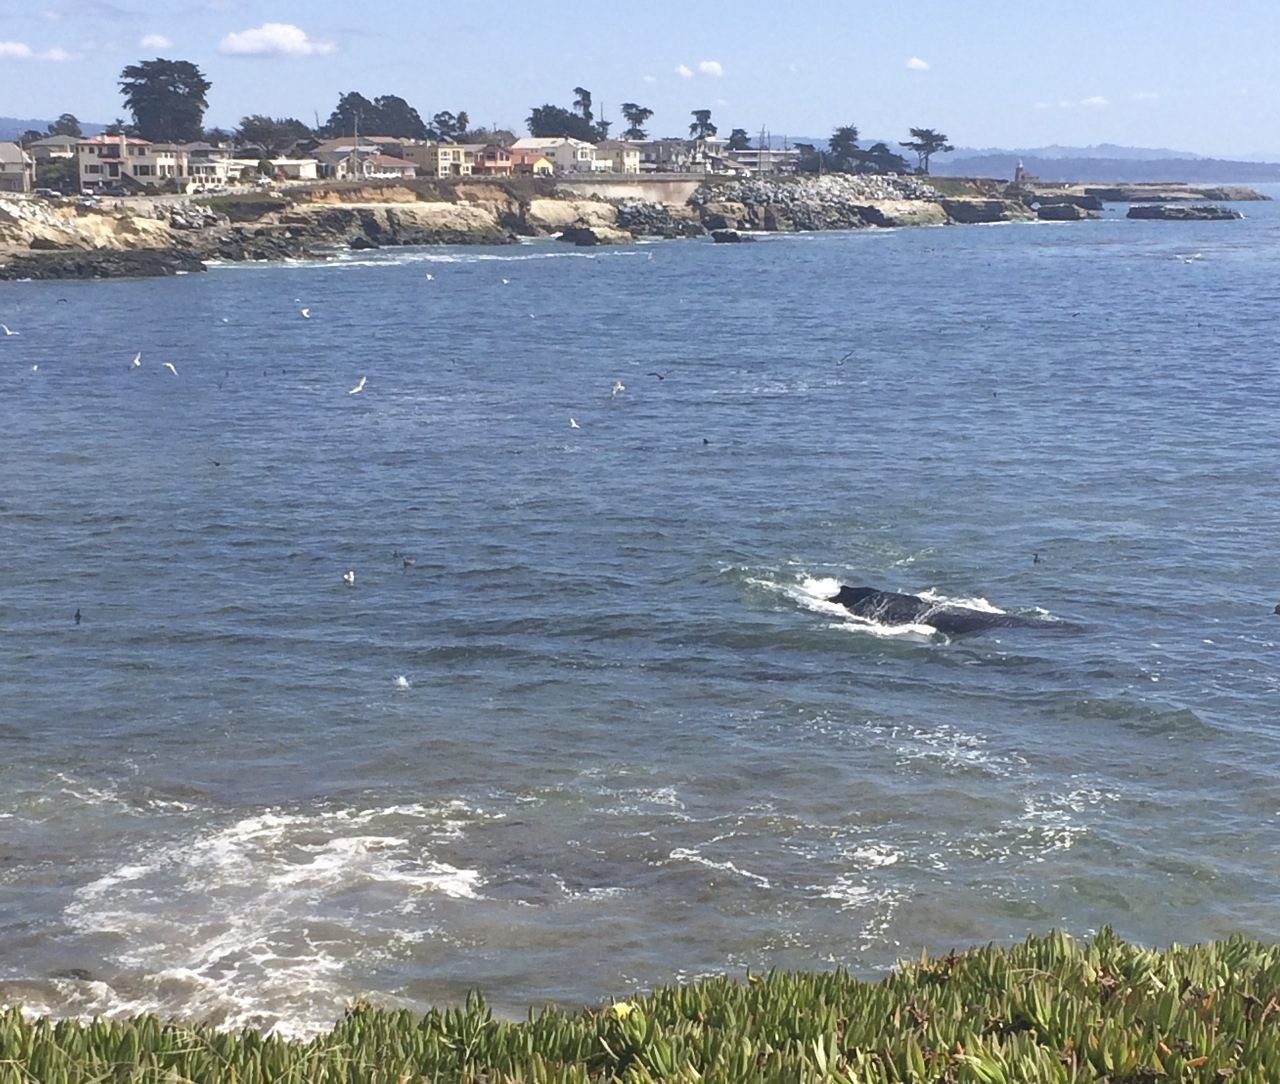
(349, 577)
(137, 360)
(8, 331)
(402, 682)
(430, 277)
(505, 282)
(169, 365)
(618, 386)
(573, 424)
(359, 387)
(306, 313)
(660, 376)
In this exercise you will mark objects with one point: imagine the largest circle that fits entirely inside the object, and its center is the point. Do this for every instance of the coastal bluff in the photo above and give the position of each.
(68, 238)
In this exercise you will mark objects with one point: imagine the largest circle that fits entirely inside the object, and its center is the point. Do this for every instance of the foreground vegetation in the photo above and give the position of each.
(1051, 1009)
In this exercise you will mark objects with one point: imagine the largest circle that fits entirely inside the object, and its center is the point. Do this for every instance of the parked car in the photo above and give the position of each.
(49, 193)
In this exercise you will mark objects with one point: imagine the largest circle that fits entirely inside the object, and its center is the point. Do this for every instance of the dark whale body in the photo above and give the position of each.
(891, 608)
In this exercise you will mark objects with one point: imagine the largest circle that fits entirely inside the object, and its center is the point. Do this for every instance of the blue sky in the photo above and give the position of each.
(1190, 75)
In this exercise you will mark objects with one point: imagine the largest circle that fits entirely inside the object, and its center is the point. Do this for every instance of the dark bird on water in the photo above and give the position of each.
(1277, 609)
(410, 562)
(1035, 558)
(78, 615)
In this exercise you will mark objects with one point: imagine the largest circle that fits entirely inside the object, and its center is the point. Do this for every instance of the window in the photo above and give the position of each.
(93, 169)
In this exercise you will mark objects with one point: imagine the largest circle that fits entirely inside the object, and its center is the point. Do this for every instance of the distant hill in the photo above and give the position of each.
(13, 127)
(1108, 151)
(1127, 170)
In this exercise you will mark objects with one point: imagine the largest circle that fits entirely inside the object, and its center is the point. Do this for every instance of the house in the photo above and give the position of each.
(386, 165)
(441, 159)
(567, 154)
(17, 169)
(108, 160)
(531, 164)
(491, 160)
(665, 156)
(60, 146)
(296, 169)
(617, 156)
(333, 155)
(767, 159)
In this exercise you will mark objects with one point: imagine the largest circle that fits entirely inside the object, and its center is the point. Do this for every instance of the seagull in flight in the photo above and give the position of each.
(137, 360)
(359, 387)
(430, 277)
(573, 423)
(349, 577)
(169, 365)
(618, 386)
(8, 331)
(306, 313)
(505, 282)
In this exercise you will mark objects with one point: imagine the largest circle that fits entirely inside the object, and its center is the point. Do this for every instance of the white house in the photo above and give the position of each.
(569, 155)
(617, 156)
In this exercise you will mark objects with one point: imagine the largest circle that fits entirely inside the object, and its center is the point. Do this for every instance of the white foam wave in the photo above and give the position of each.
(684, 854)
(255, 923)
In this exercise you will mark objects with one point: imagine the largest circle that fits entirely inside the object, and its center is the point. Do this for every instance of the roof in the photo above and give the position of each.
(11, 152)
(546, 143)
(617, 145)
(345, 145)
(388, 160)
(113, 140)
(55, 141)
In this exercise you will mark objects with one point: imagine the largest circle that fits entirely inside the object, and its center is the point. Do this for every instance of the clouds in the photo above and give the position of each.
(1097, 101)
(154, 41)
(915, 64)
(20, 50)
(712, 68)
(274, 39)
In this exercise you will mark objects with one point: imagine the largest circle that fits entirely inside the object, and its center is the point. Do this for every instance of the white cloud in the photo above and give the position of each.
(154, 41)
(684, 71)
(917, 65)
(650, 78)
(711, 67)
(1096, 102)
(719, 102)
(273, 39)
(20, 50)
(1146, 96)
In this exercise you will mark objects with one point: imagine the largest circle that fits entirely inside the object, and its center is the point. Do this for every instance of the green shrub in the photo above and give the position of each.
(1050, 1010)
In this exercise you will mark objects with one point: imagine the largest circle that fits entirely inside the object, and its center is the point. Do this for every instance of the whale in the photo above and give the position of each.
(892, 608)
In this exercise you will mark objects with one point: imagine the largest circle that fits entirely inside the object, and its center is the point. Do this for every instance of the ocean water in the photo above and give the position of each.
(604, 733)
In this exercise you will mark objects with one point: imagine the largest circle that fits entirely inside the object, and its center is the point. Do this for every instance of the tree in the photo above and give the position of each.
(739, 140)
(635, 116)
(926, 143)
(812, 160)
(119, 127)
(353, 109)
(546, 121)
(582, 102)
(66, 125)
(216, 137)
(880, 159)
(844, 146)
(60, 174)
(394, 116)
(274, 136)
(447, 126)
(167, 99)
(30, 136)
(701, 128)
(602, 128)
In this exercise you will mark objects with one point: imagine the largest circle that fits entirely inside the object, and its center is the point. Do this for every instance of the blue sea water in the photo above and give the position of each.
(605, 733)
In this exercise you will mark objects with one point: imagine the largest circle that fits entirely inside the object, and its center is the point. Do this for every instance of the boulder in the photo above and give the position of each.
(1063, 212)
(730, 237)
(586, 236)
(723, 215)
(971, 211)
(1201, 212)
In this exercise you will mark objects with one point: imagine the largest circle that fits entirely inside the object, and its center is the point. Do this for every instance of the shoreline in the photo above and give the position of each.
(153, 237)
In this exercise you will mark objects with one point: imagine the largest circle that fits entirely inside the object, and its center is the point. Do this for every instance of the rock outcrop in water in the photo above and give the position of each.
(1201, 212)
